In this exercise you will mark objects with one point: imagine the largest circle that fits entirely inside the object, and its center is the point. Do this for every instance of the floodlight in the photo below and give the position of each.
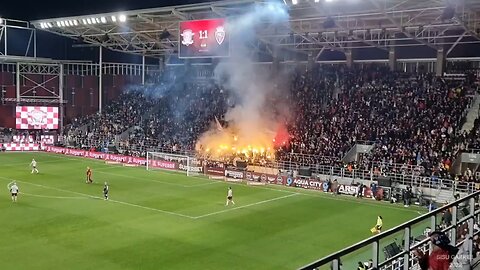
(122, 18)
(49, 25)
(41, 25)
(58, 24)
(89, 21)
(84, 21)
(103, 20)
(67, 23)
(97, 20)
(114, 19)
(294, 2)
(71, 23)
(1, 20)
(75, 22)
(316, 1)
(62, 23)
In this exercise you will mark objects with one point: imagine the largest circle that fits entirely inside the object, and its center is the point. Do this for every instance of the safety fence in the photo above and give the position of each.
(396, 248)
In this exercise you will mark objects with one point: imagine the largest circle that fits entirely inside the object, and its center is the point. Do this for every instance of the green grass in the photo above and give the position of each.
(164, 220)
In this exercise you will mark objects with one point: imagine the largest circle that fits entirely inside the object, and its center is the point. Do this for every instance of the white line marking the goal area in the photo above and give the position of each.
(247, 205)
(159, 181)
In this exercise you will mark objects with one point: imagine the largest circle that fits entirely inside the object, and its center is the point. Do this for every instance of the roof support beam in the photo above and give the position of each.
(455, 44)
(316, 7)
(392, 20)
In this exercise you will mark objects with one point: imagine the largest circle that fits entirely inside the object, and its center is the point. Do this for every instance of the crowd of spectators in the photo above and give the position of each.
(99, 130)
(178, 118)
(412, 119)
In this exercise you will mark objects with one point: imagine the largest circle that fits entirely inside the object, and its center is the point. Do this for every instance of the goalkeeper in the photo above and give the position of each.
(378, 226)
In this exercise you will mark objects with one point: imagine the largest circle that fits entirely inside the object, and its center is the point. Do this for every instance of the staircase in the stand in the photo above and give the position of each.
(356, 150)
(444, 196)
(472, 114)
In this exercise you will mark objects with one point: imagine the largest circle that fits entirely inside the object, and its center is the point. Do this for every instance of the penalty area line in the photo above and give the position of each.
(53, 197)
(100, 198)
(247, 205)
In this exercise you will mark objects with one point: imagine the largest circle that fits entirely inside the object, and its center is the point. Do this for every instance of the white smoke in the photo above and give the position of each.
(253, 119)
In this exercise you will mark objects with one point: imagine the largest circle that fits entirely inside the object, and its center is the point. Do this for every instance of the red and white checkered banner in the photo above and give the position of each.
(47, 139)
(22, 146)
(30, 117)
(22, 139)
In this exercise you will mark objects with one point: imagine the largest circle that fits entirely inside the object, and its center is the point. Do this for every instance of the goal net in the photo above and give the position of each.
(165, 161)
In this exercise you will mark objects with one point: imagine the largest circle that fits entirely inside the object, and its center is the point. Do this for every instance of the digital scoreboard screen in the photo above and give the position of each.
(30, 117)
(203, 39)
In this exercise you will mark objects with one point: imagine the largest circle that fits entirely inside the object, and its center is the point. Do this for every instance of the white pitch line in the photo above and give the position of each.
(204, 184)
(144, 179)
(319, 195)
(96, 197)
(152, 209)
(51, 197)
(247, 205)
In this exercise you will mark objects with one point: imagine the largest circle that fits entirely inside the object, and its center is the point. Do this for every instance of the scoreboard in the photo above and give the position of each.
(203, 39)
(34, 117)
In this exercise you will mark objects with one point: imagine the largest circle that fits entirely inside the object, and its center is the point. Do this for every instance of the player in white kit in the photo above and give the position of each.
(33, 164)
(106, 188)
(13, 190)
(230, 196)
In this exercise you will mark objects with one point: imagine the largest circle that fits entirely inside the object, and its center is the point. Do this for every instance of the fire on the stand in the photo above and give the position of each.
(227, 146)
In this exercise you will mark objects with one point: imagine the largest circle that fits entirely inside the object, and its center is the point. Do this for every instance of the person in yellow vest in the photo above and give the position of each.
(378, 226)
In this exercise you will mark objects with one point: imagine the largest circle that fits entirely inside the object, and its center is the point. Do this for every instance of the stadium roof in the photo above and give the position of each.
(314, 25)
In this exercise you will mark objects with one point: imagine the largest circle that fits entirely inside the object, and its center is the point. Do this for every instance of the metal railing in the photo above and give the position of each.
(465, 213)
(330, 167)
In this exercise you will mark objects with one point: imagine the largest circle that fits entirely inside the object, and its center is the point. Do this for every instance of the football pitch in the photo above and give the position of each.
(166, 220)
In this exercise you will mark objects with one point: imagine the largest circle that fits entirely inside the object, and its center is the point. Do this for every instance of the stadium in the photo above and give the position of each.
(241, 134)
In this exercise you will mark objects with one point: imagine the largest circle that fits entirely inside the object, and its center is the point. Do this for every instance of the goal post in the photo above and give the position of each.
(166, 161)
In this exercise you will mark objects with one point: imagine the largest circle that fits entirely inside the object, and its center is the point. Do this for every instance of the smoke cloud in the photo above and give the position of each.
(258, 111)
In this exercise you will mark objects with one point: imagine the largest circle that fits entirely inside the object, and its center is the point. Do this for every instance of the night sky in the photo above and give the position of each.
(43, 9)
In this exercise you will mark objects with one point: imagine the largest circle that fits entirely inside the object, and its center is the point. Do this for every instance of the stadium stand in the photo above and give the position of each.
(345, 106)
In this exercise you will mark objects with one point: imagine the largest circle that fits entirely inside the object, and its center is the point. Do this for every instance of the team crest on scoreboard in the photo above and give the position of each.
(220, 35)
(187, 37)
(37, 117)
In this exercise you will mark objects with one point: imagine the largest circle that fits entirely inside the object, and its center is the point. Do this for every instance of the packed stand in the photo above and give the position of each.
(178, 119)
(99, 130)
(413, 120)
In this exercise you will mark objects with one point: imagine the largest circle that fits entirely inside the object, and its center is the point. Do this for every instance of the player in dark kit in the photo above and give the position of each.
(89, 176)
(105, 191)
